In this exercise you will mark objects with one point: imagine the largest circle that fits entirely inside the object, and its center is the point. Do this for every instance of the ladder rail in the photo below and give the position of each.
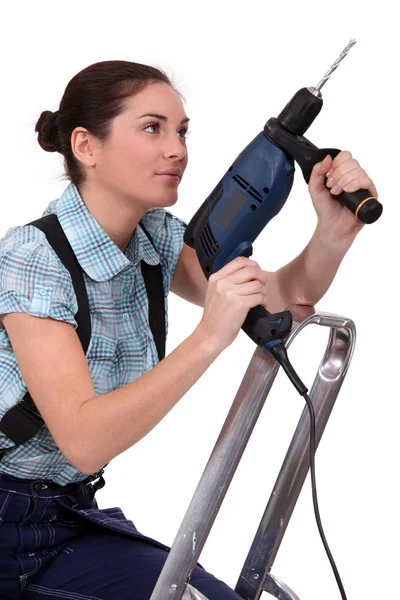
(295, 467)
(231, 444)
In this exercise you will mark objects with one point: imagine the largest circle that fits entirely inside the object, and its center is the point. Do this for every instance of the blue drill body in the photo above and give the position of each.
(249, 195)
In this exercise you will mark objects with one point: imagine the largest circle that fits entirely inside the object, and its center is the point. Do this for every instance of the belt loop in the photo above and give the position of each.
(93, 477)
(95, 482)
(98, 484)
(35, 488)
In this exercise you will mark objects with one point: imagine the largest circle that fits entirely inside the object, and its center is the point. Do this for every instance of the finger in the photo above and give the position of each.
(316, 185)
(347, 177)
(356, 181)
(249, 288)
(341, 158)
(346, 167)
(248, 274)
(359, 183)
(234, 265)
(255, 300)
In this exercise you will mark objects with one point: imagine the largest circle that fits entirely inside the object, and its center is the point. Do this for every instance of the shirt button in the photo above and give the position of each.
(43, 292)
(125, 316)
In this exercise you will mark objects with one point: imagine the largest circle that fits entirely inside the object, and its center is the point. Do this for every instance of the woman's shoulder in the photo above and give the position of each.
(26, 236)
(25, 247)
(33, 279)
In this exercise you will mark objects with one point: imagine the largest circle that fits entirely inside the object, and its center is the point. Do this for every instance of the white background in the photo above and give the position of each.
(239, 63)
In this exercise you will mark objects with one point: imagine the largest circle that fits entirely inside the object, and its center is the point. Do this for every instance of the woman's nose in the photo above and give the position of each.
(175, 147)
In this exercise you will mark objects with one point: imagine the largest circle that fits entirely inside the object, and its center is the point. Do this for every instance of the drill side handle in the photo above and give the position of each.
(362, 203)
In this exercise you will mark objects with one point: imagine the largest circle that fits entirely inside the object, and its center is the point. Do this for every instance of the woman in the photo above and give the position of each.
(121, 128)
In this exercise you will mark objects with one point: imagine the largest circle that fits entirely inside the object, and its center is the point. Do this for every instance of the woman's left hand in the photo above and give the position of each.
(343, 173)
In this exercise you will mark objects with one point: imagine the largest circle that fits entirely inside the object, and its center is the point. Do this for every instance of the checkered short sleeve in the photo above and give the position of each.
(32, 278)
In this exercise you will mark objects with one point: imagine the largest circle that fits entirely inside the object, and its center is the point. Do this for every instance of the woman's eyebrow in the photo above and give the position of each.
(162, 117)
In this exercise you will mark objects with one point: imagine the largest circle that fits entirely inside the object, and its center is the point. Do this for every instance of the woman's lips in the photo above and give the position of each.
(170, 176)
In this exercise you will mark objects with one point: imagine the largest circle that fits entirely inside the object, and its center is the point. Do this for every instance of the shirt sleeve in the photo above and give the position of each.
(167, 232)
(34, 281)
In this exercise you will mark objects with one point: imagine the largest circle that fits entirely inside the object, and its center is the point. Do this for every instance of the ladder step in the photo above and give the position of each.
(191, 593)
(278, 589)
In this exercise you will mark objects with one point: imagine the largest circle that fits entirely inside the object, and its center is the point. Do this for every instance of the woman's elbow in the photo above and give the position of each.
(80, 456)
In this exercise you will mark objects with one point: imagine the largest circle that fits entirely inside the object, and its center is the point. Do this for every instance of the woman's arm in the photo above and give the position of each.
(189, 281)
(303, 281)
(307, 278)
(90, 430)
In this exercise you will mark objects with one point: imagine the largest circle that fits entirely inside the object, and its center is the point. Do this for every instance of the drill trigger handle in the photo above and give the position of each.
(264, 327)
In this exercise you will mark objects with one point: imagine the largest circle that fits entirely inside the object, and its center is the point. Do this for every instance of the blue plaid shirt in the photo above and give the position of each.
(33, 280)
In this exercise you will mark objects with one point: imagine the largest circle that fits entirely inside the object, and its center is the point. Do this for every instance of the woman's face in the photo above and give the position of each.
(145, 155)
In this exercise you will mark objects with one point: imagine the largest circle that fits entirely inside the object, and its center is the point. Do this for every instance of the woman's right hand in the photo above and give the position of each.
(231, 293)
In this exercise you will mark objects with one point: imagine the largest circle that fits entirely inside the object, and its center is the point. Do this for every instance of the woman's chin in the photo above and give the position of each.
(165, 200)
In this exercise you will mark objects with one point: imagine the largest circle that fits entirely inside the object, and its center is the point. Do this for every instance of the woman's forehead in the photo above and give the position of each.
(157, 98)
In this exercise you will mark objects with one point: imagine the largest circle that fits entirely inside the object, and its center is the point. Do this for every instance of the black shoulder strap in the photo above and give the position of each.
(50, 225)
(23, 420)
(153, 280)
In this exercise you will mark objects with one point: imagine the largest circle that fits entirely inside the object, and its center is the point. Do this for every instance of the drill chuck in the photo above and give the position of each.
(300, 111)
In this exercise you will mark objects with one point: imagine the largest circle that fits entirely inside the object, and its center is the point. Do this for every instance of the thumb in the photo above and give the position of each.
(316, 184)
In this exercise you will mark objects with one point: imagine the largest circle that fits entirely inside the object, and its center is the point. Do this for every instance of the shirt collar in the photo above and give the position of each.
(95, 251)
(141, 248)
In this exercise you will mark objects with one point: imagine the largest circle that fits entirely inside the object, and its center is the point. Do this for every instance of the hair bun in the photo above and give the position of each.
(46, 128)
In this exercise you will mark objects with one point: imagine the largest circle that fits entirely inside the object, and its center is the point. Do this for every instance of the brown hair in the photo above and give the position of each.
(92, 99)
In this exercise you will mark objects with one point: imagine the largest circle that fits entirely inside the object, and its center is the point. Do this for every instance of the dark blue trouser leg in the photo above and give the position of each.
(108, 566)
(56, 543)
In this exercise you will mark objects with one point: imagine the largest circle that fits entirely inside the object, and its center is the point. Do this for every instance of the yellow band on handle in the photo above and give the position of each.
(363, 202)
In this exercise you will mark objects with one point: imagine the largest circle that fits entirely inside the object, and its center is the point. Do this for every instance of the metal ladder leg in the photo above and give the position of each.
(225, 457)
(324, 391)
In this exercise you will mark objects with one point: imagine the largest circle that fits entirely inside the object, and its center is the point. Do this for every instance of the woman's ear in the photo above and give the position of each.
(83, 146)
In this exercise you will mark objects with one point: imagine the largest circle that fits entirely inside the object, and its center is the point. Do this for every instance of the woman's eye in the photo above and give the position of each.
(184, 132)
(155, 127)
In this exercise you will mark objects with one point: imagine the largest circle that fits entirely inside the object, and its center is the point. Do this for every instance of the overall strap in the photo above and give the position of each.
(153, 280)
(56, 237)
(23, 420)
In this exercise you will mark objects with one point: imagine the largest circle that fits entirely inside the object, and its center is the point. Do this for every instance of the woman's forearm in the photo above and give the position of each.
(108, 424)
(307, 278)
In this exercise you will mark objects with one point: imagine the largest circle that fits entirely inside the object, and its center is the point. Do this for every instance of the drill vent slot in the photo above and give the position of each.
(208, 241)
(247, 187)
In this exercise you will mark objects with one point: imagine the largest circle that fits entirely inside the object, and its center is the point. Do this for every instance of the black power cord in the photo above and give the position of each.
(280, 354)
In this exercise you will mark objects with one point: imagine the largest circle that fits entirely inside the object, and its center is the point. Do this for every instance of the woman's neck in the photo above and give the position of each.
(117, 216)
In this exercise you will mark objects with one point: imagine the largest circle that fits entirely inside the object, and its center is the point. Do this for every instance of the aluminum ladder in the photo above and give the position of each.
(256, 576)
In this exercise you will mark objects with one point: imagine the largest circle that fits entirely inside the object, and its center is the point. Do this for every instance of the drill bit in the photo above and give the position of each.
(317, 91)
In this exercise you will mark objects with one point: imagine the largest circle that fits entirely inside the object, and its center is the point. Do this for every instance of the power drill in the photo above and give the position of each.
(253, 191)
